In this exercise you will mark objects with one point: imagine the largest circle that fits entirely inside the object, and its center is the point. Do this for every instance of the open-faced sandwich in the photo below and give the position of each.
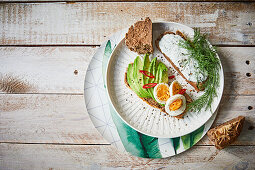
(168, 45)
(150, 81)
(194, 60)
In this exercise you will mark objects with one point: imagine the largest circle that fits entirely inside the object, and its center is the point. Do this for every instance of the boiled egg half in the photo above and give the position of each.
(175, 105)
(161, 93)
(175, 88)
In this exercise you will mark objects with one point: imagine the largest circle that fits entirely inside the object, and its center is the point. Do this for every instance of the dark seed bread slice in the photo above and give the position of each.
(226, 133)
(153, 103)
(139, 37)
(198, 87)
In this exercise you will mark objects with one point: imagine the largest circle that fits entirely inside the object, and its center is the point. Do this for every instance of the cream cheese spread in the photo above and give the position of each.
(179, 56)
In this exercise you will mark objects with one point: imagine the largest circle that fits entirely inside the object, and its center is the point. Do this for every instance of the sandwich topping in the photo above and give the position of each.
(161, 93)
(205, 55)
(149, 85)
(175, 88)
(176, 105)
(179, 56)
(149, 80)
(146, 73)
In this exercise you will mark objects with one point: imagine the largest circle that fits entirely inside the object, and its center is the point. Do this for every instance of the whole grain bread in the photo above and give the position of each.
(199, 86)
(139, 37)
(226, 133)
(153, 103)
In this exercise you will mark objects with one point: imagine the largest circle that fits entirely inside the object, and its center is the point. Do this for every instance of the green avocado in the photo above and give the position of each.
(138, 77)
(152, 70)
(136, 80)
(131, 81)
(162, 73)
(146, 65)
(158, 73)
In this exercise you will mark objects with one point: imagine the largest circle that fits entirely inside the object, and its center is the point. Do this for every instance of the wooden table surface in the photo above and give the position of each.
(45, 50)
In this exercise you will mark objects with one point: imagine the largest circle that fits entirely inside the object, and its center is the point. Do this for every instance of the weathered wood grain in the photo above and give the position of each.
(231, 107)
(41, 118)
(53, 69)
(239, 69)
(91, 23)
(46, 69)
(97, 157)
(46, 119)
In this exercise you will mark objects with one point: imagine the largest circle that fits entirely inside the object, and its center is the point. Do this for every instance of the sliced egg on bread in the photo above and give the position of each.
(161, 93)
(175, 105)
(175, 88)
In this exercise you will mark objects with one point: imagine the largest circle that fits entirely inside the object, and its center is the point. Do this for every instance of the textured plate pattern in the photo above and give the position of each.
(137, 113)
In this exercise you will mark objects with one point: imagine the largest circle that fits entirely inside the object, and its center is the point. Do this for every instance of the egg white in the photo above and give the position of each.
(171, 87)
(171, 100)
(155, 93)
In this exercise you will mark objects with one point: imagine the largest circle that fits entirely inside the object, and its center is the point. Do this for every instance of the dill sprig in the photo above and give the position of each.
(201, 51)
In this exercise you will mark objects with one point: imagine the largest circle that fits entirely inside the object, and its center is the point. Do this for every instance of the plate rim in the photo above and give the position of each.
(150, 134)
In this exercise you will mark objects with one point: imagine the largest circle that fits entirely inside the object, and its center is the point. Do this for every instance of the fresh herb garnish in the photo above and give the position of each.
(201, 51)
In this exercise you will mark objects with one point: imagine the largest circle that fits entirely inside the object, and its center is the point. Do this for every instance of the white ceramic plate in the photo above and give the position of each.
(139, 115)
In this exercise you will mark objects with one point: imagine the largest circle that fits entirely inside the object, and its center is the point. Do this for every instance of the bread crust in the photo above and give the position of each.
(193, 84)
(225, 134)
(153, 103)
(139, 37)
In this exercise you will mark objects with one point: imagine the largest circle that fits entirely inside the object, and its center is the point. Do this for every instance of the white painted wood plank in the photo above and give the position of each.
(40, 118)
(234, 61)
(46, 69)
(92, 22)
(51, 69)
(105, 156)
(46, 119)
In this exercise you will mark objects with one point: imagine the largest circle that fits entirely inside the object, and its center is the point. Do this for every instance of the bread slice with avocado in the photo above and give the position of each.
(167, 45)
(135, 81)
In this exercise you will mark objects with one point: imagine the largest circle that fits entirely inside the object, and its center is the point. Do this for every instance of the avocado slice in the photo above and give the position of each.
(146, 65)
(161, 76)
(158, 73)
(131, 81)
(138, 77)
(150, 69)
(153, 70)
(162, 73)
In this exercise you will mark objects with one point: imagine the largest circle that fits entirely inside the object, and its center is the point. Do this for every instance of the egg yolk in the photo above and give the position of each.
(175, 105)
(163, 93)
(176, 88)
